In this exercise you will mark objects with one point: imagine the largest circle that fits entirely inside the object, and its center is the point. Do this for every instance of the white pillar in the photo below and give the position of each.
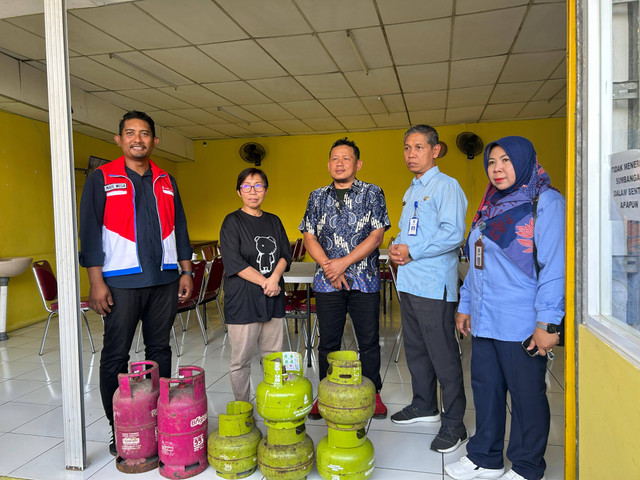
(66, 232)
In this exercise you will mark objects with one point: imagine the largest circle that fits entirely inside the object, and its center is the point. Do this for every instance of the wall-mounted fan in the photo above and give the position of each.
(443, 149)
(253, 153)
(470, 144)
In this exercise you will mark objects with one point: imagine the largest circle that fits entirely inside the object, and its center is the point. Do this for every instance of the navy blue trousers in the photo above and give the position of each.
(157, 308)
(498, 367)
(364, 311)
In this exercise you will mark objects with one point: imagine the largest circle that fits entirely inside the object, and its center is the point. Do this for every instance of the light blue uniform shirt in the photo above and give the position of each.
(503, 301)
(441, 212)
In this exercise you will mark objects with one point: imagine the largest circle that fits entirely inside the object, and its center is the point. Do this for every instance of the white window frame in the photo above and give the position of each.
(598, 118)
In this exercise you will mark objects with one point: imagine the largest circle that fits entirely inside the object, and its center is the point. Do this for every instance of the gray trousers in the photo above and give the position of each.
(433, 355)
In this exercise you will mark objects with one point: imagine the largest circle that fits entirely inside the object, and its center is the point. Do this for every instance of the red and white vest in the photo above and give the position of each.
(119, 224)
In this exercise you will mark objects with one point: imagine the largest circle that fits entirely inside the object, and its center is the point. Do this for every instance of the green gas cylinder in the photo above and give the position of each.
(233, 448)
(346, 454)
(286, 453)
(284, 395)
(345, 397)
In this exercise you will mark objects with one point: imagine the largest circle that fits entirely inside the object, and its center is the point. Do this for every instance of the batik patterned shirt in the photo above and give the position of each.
(340, 230)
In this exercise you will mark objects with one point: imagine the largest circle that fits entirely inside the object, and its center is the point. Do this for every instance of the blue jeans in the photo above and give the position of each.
(157, 308)
(364, 311)
(496, 367)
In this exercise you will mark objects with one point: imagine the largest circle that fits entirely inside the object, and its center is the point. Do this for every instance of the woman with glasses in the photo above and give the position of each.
(255, 253)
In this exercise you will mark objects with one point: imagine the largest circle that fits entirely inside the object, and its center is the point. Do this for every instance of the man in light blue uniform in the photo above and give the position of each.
(432, 229)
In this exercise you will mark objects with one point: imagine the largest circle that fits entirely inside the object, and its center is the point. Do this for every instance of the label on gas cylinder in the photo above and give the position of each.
(131, 441)
(196, 422)
(167, 448)
(198, 442)
(291, 361)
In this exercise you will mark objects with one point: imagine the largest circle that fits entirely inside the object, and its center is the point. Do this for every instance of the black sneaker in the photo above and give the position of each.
(449, 439)
(112, 443)
(411, 414)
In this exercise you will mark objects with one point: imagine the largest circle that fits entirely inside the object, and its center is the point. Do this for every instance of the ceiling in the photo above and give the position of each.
(244, 68)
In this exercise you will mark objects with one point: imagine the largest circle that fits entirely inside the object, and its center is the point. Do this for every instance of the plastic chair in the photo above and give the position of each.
(48, 287)
(191, 303)
(212, 288)
(208, 253)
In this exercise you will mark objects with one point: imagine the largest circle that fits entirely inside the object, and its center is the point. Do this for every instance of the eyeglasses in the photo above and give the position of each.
(246, 188)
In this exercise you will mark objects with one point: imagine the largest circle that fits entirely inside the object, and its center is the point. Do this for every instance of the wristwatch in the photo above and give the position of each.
(188, 272)
(549, 327)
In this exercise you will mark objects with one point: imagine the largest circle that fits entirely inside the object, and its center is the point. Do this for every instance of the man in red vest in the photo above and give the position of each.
(133, 234)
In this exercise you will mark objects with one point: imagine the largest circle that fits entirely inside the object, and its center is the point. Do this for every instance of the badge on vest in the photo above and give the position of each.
(167, 191)
(115, 186)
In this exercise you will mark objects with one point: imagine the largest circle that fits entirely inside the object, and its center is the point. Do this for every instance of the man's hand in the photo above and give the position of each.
(185, 287)
(340, 283)
(545, 341)
(463, 323)
(271, 287)
(100, 299)
(334, 268)
(399, 253)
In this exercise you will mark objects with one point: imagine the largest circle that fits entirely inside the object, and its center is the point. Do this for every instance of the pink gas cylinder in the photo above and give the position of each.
(135, 418)
(182, 424)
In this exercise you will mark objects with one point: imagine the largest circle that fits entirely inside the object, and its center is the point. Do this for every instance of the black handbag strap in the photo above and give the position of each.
(534, 204)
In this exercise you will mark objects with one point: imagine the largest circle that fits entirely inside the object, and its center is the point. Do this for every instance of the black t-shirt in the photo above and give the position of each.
(258, 242)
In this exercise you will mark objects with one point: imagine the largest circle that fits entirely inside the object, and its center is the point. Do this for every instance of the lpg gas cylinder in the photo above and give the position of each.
(286, 453)
(284, 395)
(345, 397)
(182, 424)
(135, 418)
(233, 448)
(346, 454)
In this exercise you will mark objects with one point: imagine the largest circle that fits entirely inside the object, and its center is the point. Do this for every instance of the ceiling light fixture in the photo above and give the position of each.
(224, 110)
(383, 105)
(357, 52)
(143, 70)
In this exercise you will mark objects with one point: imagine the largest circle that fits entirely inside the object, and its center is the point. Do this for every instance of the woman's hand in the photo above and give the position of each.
(544, 341)
(271, 287)
(463, 323)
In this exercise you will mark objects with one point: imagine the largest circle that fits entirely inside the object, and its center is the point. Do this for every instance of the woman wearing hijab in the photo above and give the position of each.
(514, 290)
(255, 253)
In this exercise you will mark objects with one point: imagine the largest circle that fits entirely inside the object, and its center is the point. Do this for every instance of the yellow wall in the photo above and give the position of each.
(298, 164)
(26, 212)
(295, 166)
(608, 398)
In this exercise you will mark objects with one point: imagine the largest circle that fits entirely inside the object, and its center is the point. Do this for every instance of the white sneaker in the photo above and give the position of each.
(465, 469)
(511, 475)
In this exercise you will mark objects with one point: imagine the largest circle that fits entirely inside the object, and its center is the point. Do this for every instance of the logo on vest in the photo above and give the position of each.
(167, 191)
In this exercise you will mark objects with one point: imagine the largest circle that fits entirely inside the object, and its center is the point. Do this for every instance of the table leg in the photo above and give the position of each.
(384, 287)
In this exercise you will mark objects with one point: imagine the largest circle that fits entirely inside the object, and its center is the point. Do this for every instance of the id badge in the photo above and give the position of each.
(413, 226)
(478, 260)
(413, 221)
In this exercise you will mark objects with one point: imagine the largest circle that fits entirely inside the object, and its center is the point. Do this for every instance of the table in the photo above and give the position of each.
(303, 272)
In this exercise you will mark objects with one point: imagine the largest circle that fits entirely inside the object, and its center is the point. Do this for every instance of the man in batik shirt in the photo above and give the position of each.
(342, 228)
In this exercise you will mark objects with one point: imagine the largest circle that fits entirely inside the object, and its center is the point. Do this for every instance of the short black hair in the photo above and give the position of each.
(247, 172)
(348, 143)
(131, 114)
(430, 133)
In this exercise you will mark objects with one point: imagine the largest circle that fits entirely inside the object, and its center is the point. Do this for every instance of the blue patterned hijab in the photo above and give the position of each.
(506, 216)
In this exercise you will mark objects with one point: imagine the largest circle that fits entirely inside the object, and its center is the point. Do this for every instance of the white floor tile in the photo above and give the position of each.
(18, 450)
(31, 413)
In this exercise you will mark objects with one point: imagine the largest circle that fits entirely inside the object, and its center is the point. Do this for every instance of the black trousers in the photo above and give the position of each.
(364, 310)
(157, 308)
(433, 355)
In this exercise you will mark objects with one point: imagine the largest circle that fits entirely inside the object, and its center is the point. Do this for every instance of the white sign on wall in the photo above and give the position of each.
(625, 184)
